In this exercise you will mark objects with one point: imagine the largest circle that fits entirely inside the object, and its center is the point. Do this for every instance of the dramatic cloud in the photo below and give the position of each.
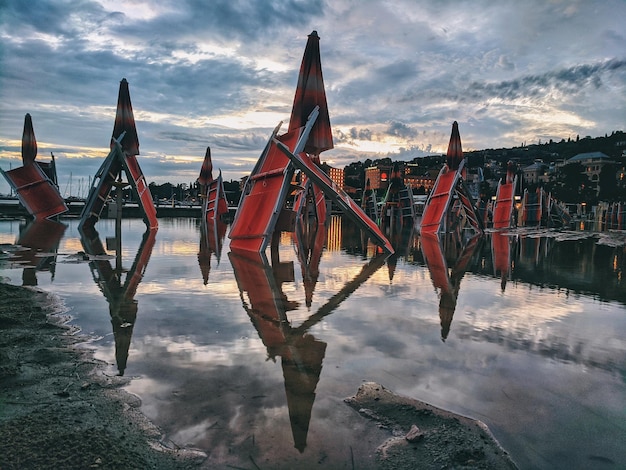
(223, 74)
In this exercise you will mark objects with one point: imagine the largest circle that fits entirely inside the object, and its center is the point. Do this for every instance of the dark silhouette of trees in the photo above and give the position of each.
(608, 183)
(572, 185)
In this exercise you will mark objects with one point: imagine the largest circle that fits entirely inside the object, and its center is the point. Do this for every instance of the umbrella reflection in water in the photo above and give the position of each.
(401, 242)
(448, 257)
(120, 295)
(309, 242)
(39, 241)
(301, 353)
(212, 233)
(501, 253)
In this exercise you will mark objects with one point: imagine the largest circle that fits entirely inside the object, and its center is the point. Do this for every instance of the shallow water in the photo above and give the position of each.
(538, 354)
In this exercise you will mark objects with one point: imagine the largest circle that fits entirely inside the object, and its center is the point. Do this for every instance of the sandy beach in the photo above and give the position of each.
(58, 409)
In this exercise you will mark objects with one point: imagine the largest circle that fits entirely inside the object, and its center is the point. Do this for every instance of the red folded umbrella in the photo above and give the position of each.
(124, 121)
(455, 151)
(29, 143)
(206, 171)
(310, 93)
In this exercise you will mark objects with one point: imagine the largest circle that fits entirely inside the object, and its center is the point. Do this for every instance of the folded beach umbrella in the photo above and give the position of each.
(124, 121)
(29, 143)
(206, 171)
(310, 93)
(455, 151)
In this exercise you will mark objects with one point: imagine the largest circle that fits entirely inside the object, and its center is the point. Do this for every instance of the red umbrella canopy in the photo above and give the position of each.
(206, 172)
(124, 121)
(455, 150)
(310, 93)
(29, 143)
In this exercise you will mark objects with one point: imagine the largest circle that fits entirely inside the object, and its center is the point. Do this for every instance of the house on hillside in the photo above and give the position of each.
(592, 163)
(536, 172)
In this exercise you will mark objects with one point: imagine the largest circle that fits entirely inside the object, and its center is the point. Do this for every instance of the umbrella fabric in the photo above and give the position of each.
(124, 121)
(29, 143)
(310, 93)
(206, 172)
(455, 151)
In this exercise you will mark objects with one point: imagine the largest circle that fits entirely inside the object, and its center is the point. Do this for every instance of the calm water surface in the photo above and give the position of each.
(526, 333)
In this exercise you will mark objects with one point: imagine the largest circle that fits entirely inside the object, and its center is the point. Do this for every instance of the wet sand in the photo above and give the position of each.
(58, 409)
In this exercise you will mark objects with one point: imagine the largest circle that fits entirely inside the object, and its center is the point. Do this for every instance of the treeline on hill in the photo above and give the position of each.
(570, 184)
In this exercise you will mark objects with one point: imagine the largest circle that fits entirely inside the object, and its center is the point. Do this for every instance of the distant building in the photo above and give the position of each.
(536, 173)
(412, 175)
(417, 178)
(378, 176)
(337, 175)
(592, 163)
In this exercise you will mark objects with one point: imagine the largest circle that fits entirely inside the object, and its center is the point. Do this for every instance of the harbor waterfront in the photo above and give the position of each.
(533, 346)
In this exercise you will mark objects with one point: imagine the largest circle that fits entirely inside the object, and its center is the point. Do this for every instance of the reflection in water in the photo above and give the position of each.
(534, 250)
(542, 362)
(267, 306)
(121, 297)
(39, 241)
(402, 240)
(448, 257)
(212, 233)
(501, 253)
(301, 354)
(576, 261)
(309, 242)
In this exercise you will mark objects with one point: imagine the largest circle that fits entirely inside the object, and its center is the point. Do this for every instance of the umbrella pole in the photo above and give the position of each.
(119, 185)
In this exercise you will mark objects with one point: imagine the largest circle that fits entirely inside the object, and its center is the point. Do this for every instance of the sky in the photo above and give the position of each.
(222, 74)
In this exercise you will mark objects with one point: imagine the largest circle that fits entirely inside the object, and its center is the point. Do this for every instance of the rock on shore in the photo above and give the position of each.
(427, 437)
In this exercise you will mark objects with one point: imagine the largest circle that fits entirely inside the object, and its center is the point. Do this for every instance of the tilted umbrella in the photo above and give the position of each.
(125, 121)
(310, 93)
(29, 143)
(455, 150)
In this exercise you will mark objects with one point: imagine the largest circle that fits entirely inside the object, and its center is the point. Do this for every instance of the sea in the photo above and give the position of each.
(250, 359)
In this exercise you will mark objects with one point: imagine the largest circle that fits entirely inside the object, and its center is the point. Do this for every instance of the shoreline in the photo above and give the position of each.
(58, 408)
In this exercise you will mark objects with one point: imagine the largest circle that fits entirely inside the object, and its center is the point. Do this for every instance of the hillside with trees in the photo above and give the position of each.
(570, 184)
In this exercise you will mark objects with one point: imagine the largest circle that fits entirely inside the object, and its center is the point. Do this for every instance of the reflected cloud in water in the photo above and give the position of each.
(540, 357)
(268, 306)
(120, 295)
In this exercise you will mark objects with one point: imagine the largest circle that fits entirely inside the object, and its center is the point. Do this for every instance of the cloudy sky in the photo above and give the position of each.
(222, 73)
